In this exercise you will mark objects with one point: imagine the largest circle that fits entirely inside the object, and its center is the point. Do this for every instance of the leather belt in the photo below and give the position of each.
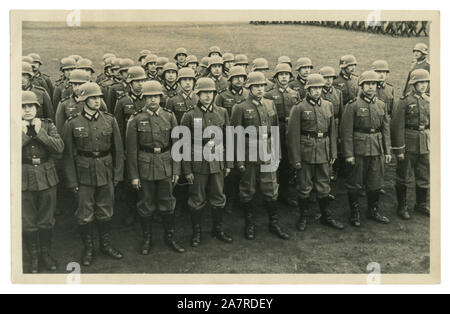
(418, 127)
(93, 154)
(34, 161)
(315, 134)
(368, 131)
(154, 150)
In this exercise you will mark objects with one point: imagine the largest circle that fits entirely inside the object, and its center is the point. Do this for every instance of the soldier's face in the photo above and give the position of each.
(124, 75)
(137, 86)
(206, 98)
(36, 66)
(238, 81)
(214, 54)
(228, 64)
(151, 67)
(193, 66)
(315, 92)
(152, 102)
(284, 78)
(116, 73)
(329, 81)
(94, 102)
(370, 88)
(170, 76)
(383, 75)
(350, 69)
(304, 72)
(160, 71)
(216, 69)
(187, 84)
(181, 58)
(67, 73)
(421, 87)
(258, 90)
(25, 80)
(76, 88)
(417, 55)
(29, 112)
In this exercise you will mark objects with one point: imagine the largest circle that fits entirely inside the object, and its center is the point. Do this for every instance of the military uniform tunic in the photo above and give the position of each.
(127, 105)
(169, 91)
(221, 83)
(182, 103)
(114, 92)
(420, 65)
(230, 97)
(60, 85)
(44, 81)
(385, 92)
(298, 85)
(46, 109)
(348, 85)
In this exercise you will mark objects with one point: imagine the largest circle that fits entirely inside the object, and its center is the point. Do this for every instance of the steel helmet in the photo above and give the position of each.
(237, 71)
(380, 66)
(285, 59)
(228, 57)
(256, 78)
(108, 55)
(421, 48)
(240, 60)
(150, 58)
(67, 64)
(215, 60)
(260, 64)
(115, 63)
(36, 57)
(79, 76)
(180, 51)
(170, 66)
(152, 88)
(369, 76)
(419, 75)
(136, 73)
(186, 73)
(144, 54)
(191, 59)
(303, 63)
(214, 49)
(85, 64)
(28, 98)
(161, 61)
(283, 68)
(27, 59)
(204, 62)
(27, 68)
(76, 57)
(89, 89)
(328, 72)
(205, 84)
(125, 64)
(108, 62)
(315, 80)
(347, 61)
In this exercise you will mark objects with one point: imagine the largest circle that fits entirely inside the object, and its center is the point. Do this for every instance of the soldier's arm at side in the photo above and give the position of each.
(219, 100)
(68, 157)
(60, 118)
(51, 139)
(386, 132)
(176, 165)
(118, 152)
(293, 136)
(48, 107)
(332, 131)
(347, 131)
(398, 128)
(132, 150)
(187, 122)
(236, 121)
(57, 97)
(229, 164)
(118, 114)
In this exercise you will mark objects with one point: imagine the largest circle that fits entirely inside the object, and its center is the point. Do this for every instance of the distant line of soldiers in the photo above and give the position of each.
(115, 130)
(397, 28)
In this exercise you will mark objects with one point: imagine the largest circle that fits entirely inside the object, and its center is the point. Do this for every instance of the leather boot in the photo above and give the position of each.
(31, 242)
(87, 235)
(218, 233)
(327, 219)
(45, 239)
(355, 213)
(146, 224)
(104, 228)
(304, 212)
(402, 208)
(274, 226)
(196, 216)
(249, 221)
(422, 202)
(169, 228)
(375, 213)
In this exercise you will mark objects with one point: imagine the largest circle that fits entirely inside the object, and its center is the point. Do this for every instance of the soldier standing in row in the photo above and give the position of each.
(228, 63)
(262, 65)
(312, 149)
(151, 169)
(285, 59)
(40, 142)
(93, 164)
(45, 109)
(411, 143)
(202, 70)
(160, 63)
(385, 91)
(207, 175)
(192, 62)
(241, 60)
(366, 146)
(142, 55)
(304, 67)
(150, 66)
(420, 52)
(39, 78)
(67, 65)
(106, 68)
(215, 68)
(107, 78)
(120, 86)
(347, 81)
(257, 112)
(180, 58)
(214, 51)
(170, 84)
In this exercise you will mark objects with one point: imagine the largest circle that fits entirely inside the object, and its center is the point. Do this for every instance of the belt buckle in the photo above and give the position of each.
(372, 130)
(421, 127)
(157, 150)
(96, 154)
(320, 134)
(35, 161)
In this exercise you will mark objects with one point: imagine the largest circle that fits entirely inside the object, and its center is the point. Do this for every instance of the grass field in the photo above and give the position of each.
(401, 247)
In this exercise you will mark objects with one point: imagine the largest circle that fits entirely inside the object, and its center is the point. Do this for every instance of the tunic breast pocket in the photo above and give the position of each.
(81, 137)
(412, 109)
(128, 110)
(180, 107)
(145, 132)
(307, 116)
(107, 136)
(71, 111)
(249, 117)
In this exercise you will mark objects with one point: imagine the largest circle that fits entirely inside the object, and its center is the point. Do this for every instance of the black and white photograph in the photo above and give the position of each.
(209, 143)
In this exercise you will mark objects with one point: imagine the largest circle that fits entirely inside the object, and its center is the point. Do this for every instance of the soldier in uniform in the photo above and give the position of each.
(347, 81)
(241, 60)
(284, 99)
(411, 143)
(170, 84)
(39, 78)
(385, 91)
(207, 176)
(421, 62)
(151, 169)
(149, 64)
(40, 142)
(312, 148)
(202, 70)
(257, 112)
(214, 51)
(160, 63)
(180, 57)
(66, 67)
(215, 68)
(304, 67)
(228, 63)
(106, 68)
(106, 79)
(120, 86)
(334, 96)
(93, 163)
(366, 145)
(45, 109)
(285, 59)
(262, 65)
(192, 62)
(142, 55)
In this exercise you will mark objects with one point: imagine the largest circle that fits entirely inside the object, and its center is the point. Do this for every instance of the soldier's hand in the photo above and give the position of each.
(25, 123)
(401, 157)
(136, 183)
(242, 169)
(190, 178)
(332, 161)
(175, 179)
(388, 158)
(351, 160)
(227, 172)
(37, 124)
(298, 165)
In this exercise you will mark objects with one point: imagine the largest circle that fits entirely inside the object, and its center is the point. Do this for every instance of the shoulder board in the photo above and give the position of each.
(39, 87)
(120, 96)
(73, 116)
(352, 101)
(64, 99)
(272, 87)
(355, 75)
(138, 112)
(108, 114)
(168, 110)
(405, 96)
(389, 84)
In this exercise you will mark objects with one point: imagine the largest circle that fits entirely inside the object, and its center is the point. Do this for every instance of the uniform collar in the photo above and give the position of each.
(416, 94)
(235, 90)
(37, 74)
(180, 66)
(382, 84)
(216, 78)
(187, 95)
(152, 75)
(205, 109)
(168, 87)
(345, 76)
(313, 102)
(156, 113)
(90, 117)
(134, 96)
(327, 90)
(301, 80)
(367, 99)
(420, 61)
(255, 101)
